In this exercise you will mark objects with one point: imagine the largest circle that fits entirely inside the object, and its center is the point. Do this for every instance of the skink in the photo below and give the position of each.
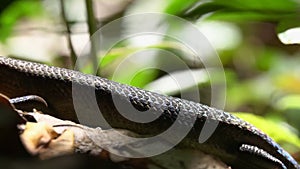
(235, 141)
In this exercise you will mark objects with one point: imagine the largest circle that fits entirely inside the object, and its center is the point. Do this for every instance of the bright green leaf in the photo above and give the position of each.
(261, 5)
(243, 16)
(144, 77)
(245, 10)
(289, 102)
(178, 6)
(275, 130)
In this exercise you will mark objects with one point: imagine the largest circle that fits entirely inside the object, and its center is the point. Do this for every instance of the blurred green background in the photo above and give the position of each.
(257, 42)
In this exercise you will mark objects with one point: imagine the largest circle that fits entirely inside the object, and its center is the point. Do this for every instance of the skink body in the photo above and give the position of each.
(235, 141)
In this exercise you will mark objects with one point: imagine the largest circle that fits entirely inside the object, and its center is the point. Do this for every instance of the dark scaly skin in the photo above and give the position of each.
(235, 141)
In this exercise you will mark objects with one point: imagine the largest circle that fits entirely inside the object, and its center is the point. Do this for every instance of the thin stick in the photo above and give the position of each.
(65, 20)
(92, 29)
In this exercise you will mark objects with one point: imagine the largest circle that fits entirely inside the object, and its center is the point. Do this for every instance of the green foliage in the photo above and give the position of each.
(258, 8)
(284, 12)
(287, 23)
(176, 7)
(289, 102)
(279, 132)
(16, 11)
(264, 6)
(141, 78)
